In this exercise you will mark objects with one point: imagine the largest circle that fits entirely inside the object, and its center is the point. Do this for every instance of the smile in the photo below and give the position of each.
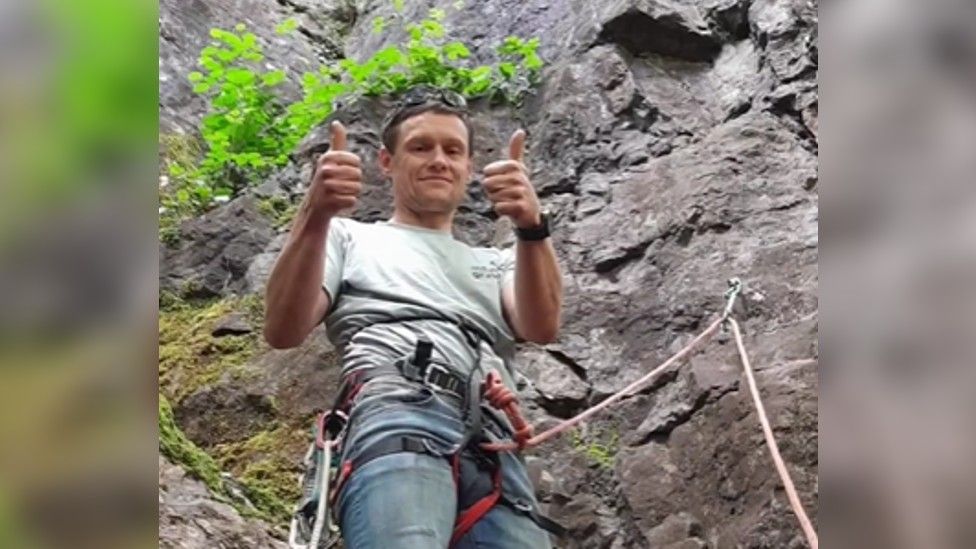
(438, 179)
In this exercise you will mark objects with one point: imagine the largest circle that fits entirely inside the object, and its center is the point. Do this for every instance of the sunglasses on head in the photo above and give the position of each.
(421, 95)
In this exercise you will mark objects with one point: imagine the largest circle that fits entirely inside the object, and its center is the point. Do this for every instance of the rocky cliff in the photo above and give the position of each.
(675, 143)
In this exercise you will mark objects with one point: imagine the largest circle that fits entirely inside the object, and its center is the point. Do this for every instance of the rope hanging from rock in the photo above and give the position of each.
(784, 475)
(503, 399)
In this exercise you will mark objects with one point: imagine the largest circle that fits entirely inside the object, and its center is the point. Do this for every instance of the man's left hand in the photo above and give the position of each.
(509, 189)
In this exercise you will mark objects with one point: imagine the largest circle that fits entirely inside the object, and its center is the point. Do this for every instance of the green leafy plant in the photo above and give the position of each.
(243, 131)
(250, 130)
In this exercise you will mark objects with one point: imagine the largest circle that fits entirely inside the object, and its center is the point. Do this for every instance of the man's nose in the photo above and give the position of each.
(440, 159)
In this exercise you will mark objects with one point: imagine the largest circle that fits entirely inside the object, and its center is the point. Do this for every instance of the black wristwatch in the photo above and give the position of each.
(539, 232)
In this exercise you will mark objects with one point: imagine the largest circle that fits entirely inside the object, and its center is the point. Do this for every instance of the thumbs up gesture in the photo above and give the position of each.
(338, 177)
(508, 187)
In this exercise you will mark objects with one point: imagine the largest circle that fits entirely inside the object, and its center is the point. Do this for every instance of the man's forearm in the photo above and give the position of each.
(538, 290)
(296, 282)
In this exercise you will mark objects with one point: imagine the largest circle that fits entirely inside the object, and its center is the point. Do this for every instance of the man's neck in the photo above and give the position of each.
(435, 221)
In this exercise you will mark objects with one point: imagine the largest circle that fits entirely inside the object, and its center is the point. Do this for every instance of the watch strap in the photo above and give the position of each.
(539, 232)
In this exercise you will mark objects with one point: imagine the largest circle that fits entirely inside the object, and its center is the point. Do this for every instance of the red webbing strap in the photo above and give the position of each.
(344, 475)
(467, 519)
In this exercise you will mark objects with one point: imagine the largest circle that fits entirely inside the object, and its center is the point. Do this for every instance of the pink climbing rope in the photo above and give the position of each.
(508, 403)
(626, 391)
(784, 475)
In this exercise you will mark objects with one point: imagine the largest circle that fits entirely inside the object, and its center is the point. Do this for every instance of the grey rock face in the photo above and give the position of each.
(223, 413)
(215, 251)
(675, 143)
(189, 517)
(662, 27)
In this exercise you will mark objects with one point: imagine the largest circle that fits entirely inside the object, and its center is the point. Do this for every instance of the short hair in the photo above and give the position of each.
(391, 129)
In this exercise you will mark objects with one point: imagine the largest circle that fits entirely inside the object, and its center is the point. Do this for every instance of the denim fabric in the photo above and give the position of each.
(408, 500)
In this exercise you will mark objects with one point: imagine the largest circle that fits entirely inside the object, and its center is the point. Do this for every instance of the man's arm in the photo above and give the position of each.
(533, 300)
(295, 301)
(533, 303)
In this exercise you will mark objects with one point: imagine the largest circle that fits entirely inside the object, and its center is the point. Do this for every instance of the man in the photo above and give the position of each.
(419, 317)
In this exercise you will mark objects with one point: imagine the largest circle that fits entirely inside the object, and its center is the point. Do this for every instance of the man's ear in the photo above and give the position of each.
(386, 161)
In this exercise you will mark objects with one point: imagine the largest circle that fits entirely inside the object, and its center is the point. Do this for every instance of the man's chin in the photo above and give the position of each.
(438, 208)
(439, 204)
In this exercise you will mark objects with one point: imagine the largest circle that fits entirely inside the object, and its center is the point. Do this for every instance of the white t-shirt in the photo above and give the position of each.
(386, 281)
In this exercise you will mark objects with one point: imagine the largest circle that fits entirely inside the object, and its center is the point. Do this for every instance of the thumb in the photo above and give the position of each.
(338, 139)
(516, 145)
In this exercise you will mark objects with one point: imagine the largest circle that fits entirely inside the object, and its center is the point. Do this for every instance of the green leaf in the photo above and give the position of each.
(389, 57)
(416, 33)
(201, 88)
(228, 38)
(456, 50)
(242, 77)
(203, 193)
(510, 46)
(437, 14)
(273, 78)
(309, 80)
(378, 24)
(433, 28)
(195, 76)
(250, 41)
(209, 64)
(477, 87)
(481, 72)
(507, 70)
(227, 55)
(239, 27)
(287, 26)
(398, 5)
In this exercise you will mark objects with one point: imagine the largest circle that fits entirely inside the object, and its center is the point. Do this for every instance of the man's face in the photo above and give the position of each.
(431, 166)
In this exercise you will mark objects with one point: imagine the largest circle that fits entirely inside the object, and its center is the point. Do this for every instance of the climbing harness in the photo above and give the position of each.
(475, 459)
(477, 474)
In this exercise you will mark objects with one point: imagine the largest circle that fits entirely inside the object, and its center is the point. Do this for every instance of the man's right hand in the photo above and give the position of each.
(338, 178)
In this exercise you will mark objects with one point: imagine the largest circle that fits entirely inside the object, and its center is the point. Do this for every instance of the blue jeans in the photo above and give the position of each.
(408, 500)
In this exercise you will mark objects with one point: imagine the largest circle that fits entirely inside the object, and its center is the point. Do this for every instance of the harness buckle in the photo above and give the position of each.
(522, 505)
(446, 380)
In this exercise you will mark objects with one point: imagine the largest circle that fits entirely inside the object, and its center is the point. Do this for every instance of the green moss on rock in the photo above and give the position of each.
(189, 356)
(266, 465)
(269, 483)
(180, 450)
(279, 209)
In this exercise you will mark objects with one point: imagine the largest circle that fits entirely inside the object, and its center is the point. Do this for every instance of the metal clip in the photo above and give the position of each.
(735, 286)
